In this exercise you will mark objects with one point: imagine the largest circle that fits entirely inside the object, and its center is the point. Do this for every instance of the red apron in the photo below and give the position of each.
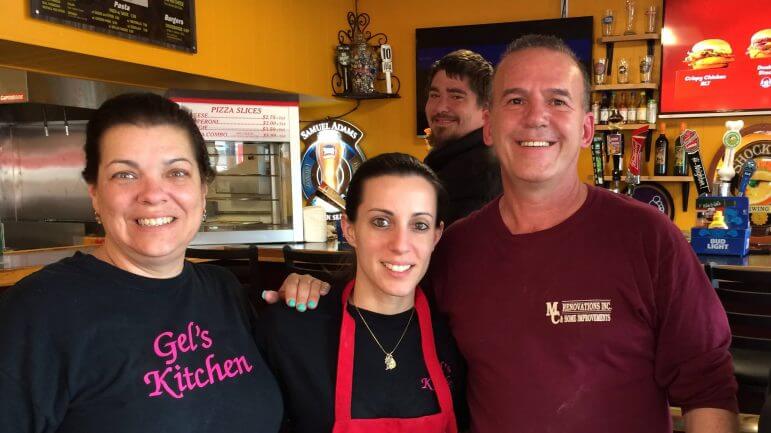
(442, 422)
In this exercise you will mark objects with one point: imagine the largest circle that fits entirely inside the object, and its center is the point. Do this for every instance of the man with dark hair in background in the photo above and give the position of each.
(458, 92)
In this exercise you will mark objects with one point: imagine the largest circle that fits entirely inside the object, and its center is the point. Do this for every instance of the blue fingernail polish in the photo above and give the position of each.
(301, 308)
(263, 295)
(312, 304)
(292, 303)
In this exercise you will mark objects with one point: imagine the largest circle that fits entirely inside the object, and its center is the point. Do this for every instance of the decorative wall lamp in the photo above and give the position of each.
(364, 62)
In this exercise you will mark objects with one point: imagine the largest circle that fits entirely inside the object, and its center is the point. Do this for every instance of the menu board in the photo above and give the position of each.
(228, 120)
(169, 23)
(716, 58)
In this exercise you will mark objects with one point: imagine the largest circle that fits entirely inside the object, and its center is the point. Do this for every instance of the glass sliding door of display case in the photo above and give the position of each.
(254, 148)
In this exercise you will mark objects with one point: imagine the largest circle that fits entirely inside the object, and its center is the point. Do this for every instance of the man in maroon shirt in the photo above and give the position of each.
(577, 310)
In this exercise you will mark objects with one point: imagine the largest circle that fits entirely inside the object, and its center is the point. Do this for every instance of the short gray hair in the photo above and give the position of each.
(551, 43)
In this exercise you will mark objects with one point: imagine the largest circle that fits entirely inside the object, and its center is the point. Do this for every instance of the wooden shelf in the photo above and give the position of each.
(360, 96)
(684, 181)
(625, 127)
(659, 178)
(630, 86)
(629, 38)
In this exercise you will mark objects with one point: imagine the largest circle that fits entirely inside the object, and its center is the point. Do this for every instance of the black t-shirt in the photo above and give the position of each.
(87, 348)
(302, 350)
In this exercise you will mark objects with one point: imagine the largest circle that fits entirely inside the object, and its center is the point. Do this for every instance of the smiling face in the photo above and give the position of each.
(148, 194)
(536, 122)
(452, 108)
(394, 234)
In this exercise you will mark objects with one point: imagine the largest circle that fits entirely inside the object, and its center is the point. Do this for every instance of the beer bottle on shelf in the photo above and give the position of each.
(680, 166)
(604, 110)
(631, 114)
(642, 109)
(662, 149)
(623, 108)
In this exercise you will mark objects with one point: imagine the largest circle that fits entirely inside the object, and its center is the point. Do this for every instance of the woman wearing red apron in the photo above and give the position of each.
(371, 358)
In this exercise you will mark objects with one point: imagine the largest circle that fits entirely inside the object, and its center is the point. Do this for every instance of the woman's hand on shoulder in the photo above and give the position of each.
(301, 292)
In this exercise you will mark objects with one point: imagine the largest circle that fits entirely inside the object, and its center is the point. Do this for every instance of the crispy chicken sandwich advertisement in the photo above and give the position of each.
(716, 59)
(710, 53)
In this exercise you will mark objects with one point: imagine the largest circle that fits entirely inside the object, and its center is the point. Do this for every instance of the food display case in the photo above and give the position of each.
(254, 146)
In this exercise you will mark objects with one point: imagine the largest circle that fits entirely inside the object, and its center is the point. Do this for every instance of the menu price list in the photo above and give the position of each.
(170, 23)
(241, 122)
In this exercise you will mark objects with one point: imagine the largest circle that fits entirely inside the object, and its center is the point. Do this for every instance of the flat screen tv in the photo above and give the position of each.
(716, 58)
(490, 40)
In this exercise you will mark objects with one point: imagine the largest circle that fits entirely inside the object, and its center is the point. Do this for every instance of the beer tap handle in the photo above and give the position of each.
(388, 66)
(599, 170)
(45, 121)
(633, 172)
(690, 141)
(747, 171)
(66, 123)
(731, 140)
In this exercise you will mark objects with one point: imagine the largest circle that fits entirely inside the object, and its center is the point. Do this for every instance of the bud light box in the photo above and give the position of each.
(733, 241)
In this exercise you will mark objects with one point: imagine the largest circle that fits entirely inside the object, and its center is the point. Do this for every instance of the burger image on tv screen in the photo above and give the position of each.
(710, 53)
(760, 45)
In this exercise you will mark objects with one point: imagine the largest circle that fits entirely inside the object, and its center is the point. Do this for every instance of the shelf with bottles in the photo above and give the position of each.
(623, 127)
(627, 86)
(629, 38)
(665, 179)
(626, 110)
(669, 164)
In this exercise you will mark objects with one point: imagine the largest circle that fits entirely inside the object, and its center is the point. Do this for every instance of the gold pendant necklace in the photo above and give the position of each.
(390, 361)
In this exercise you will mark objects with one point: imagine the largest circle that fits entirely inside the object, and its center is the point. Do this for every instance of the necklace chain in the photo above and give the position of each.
(390, 362)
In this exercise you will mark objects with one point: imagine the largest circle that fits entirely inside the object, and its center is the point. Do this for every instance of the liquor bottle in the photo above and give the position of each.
(662, 149)
(613, 103)
(615, 120)
(642, 109)
(623, 108)
(604, 110)
(680, 166)
(653, 110)
(596, 108)
(631, 114)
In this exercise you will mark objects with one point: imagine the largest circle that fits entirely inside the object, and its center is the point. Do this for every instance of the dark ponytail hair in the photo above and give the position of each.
(392, 164)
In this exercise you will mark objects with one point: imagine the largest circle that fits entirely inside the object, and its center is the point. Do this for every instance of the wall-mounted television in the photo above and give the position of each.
(490, 40)
(716, 58)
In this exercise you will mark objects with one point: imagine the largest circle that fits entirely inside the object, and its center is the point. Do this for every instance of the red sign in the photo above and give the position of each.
(716, 57)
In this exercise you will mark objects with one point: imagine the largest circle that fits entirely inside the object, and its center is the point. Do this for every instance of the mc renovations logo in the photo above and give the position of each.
(579, 311)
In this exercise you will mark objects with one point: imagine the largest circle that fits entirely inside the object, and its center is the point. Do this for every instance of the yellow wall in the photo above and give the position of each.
(284, 45)
(288, 45)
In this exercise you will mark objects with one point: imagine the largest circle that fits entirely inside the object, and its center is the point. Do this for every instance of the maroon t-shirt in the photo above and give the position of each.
(594, 325)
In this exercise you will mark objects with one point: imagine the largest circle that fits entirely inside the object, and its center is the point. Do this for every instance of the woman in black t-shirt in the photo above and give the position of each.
(132, 338)
(371, 357)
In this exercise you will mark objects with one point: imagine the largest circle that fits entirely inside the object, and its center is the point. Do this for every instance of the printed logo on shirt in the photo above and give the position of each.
(425, 382)
(579, 311)
(175, 379)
